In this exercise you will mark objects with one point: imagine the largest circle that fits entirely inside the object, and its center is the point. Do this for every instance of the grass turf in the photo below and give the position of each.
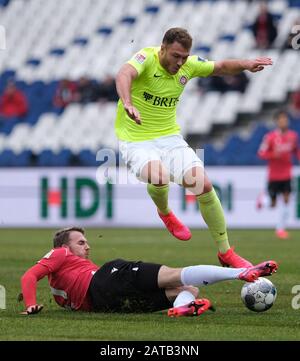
(20, 248)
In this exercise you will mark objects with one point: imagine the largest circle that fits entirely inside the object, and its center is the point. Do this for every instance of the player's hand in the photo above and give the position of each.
(33, 309)
(258, 64)
(133, 113)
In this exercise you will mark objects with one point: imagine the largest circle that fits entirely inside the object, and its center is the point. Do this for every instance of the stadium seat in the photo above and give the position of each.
(7, 158)
(87, 158)
(38, 59)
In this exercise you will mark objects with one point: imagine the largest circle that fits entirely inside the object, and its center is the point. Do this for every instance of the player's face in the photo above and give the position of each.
(78, 244)
(173, 56)
(283, 122)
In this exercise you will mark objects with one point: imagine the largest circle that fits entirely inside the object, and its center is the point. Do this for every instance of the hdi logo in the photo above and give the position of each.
(63, 199)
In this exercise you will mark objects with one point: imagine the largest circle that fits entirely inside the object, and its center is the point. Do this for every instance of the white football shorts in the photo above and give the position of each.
(172, 150)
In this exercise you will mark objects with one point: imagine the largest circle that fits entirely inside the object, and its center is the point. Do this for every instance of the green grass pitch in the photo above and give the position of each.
(20, 248)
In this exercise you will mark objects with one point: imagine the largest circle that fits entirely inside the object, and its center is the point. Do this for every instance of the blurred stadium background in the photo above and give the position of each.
(50, 177)
(48, 162)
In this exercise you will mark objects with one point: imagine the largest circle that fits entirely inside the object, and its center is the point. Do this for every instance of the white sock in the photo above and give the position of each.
(283, 215)
(265, 200)
(206, 275)
(183, 298)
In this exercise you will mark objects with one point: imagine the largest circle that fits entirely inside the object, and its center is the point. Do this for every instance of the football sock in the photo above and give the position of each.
(159, 196)
(183, 298)
(212, 213)
(264, 200)
(206, 275)
(283, 215)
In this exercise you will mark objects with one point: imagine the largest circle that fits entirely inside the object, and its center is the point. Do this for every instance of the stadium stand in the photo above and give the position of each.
(55, 40)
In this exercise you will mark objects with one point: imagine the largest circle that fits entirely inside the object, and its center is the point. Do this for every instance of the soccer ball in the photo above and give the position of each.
(259, 295)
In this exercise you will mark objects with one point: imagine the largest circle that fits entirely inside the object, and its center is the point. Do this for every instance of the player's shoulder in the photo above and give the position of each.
(196, 61)
(270, 136)
(55, 259)
(56, 252)
(150, 49)
(272, 133)
(197, 58)
(292, 133)
(199, 64)
(146, 53)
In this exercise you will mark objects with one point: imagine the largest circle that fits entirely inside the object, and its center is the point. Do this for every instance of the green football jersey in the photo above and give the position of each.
(155, 93)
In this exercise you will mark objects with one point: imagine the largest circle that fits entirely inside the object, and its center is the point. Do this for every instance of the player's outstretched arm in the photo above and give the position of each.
(236, 66)
(124, 79)
(28, 284)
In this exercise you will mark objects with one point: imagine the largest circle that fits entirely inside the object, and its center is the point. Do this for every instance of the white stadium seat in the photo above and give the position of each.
(37, 27)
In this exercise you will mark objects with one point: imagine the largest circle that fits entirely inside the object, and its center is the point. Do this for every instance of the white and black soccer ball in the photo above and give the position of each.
(259, 295)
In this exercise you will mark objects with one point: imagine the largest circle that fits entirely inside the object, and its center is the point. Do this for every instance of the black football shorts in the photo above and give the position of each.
(277, 187)
(126, 286)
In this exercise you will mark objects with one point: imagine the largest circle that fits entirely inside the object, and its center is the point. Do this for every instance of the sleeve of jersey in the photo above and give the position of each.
(54, 259)
(200, 67)
(265, 152)
(139, 61)
(29, 281)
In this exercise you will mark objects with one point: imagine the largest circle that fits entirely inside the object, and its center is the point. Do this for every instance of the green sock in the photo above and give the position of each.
(212, 213)
(159, 196)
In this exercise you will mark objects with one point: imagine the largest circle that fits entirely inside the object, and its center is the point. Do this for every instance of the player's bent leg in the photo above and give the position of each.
(194, 308)
(154, 172)
(158, 189)
(172, 223)
(182, 295)
(159, 195)
(194, 180)
(169, 277)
